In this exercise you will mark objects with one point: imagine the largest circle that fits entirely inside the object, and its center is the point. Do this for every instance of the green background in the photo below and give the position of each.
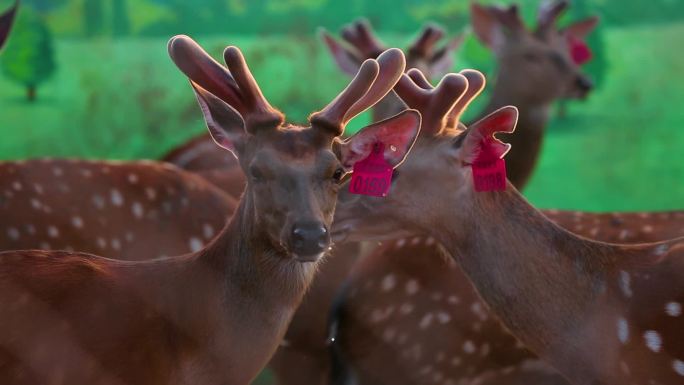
(115, 94)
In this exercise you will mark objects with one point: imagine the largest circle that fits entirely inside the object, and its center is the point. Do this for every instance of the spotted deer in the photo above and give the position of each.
(120, 210)
(215, 315)
(6, 21)
(598, 313)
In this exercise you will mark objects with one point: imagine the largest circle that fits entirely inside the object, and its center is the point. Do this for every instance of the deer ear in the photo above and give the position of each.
(442, 61)
(582, 28)
(479, 143)
(346, 60)
(488, 29)
(225, 125)
(396, 134)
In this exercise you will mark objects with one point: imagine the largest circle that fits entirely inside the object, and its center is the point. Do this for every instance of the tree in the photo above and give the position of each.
(93, 17)
(29, 57)
(121, 24)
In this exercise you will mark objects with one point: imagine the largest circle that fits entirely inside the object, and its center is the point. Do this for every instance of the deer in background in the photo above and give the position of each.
(6, 20)
(216, 315)
(599, 313)
(121, 210)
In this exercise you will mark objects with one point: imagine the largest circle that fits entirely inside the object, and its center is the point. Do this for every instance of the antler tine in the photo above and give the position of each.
(435, 103)
(203, 70)
(361, 36)
(548, 14)
(6, 20)
(426, 40)
(259, 111)
(374, 81)
(476, 83)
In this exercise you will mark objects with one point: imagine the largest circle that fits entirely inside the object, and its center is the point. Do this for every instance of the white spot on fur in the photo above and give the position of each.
(406, 308)
(647, 229)
(443, 317)
(678, 367)
(137, 210)
(86, 173)
(661, 249)
(98, 201)
(129, 236)
(623, 234)
(653, 340)
(401, 242)
(101, 243)
(17, 186)
(39, 188)
(673, 309)
(150, 193)
(36, 204)
(57, 171)
(195, 244)
(116, 197)
(625, 283)
(132, 178)
(411, 287)
(208, 231)
(456, 361)
(388, 335)
(53, 232)
(469, 347)
(622, 330)
(453, 300)
(13, 233)
(426, 321)
(388, 282)
(77, 222)
(116, 244)
(436, 296)
(625, 368)
(430, 241)
(479, 311)
(415, 241)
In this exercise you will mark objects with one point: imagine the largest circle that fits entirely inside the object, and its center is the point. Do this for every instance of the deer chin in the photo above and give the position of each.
(308, 258)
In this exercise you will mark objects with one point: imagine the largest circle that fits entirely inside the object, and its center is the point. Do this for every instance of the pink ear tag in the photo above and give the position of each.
(490, 176)
(489, 169)
(373, 175)
(579, 50)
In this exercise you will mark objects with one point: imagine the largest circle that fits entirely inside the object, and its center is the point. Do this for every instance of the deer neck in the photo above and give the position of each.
(532, 120)
(544, 283)
(235, 298)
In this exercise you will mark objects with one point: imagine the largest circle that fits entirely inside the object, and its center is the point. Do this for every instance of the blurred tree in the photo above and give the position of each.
(29, 55)
(121, 24)
(44, 6)
(93, 17)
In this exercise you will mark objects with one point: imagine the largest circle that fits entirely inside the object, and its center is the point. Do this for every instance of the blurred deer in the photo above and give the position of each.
(408, 316)
(215, 315)
(6, 20)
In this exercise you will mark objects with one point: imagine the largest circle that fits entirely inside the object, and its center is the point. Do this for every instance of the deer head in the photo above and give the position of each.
(540, 59)
(440, 163)
(6, 20)
(424, 53)
(293, 172)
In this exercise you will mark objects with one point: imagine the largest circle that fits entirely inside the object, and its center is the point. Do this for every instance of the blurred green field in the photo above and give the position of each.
(620, 150)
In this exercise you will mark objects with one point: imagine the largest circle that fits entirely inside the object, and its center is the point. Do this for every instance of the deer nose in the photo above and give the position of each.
(309, 240)
(584, 84)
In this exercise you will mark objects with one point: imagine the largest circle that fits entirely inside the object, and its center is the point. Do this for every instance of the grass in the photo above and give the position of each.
(123, 99)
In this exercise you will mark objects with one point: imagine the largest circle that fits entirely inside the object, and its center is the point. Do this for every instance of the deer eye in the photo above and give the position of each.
(338, 174)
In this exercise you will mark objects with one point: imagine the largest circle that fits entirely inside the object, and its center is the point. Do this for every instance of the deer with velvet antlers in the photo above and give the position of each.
(216, 315)
(599, 313)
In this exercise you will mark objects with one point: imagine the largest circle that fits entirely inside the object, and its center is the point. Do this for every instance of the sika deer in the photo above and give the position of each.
(6, 20)
(599, 313)
(214, 316)
(120, 210)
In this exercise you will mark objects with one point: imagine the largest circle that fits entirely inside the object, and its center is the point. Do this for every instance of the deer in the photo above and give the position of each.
(6, 21)
(215, 315)
(596, 312)
(120, 210)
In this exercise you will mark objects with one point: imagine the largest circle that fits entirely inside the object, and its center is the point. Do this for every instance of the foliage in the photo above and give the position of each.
(29, 56)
